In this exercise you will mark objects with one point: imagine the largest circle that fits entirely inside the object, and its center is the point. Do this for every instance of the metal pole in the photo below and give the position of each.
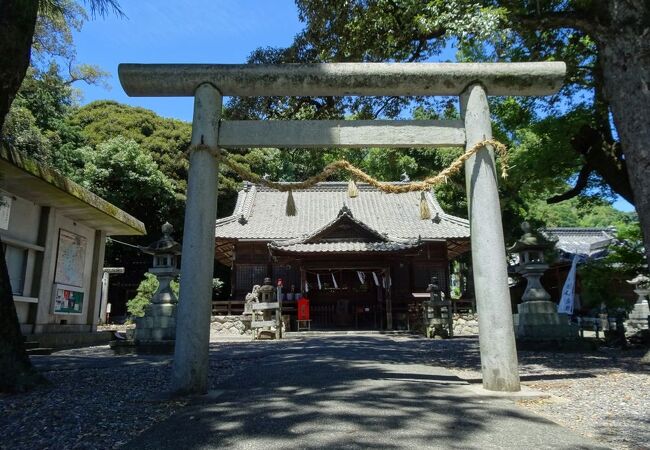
(190, 369)
(496, 332)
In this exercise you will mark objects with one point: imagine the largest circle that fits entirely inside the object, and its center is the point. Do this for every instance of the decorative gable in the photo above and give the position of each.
(345, 228)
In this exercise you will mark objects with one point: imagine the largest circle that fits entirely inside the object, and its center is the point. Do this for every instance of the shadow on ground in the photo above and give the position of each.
(350, 392)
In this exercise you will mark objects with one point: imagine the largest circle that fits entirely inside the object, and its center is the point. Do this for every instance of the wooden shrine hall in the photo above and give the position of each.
(358, 259)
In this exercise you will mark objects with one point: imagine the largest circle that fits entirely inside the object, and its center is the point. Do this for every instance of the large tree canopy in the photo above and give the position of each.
(605, 97)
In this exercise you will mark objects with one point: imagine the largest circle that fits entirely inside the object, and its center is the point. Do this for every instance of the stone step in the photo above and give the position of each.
(40, 351)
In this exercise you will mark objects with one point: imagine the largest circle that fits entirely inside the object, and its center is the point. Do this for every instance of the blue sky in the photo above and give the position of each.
(201, 31)
(166, 31)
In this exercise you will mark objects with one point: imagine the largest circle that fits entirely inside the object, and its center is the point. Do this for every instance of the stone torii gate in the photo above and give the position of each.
(473, 82)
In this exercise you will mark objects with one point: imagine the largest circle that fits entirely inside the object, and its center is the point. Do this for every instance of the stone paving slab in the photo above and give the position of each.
(351, 392)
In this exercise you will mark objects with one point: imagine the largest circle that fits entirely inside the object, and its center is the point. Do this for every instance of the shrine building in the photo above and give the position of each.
(358, 259)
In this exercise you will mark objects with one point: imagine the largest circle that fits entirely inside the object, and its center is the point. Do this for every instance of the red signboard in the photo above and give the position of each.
(303, 309)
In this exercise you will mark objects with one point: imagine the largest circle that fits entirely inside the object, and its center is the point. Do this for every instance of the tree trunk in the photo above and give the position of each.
(17, 23)
(624, 49)
(17, 372)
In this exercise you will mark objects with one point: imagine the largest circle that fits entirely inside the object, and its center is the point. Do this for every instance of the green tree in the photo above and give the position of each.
(148, 287)
(602, 42)
(119, 171)
(21, 132)
(165, 140)
(36, 123)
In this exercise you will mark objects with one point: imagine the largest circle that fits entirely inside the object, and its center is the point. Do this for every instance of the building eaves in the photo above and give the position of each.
(43, 185)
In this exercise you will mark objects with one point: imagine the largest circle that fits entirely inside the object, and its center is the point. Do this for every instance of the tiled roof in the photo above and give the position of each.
(581, 241)
(352, 247)
(260, 214)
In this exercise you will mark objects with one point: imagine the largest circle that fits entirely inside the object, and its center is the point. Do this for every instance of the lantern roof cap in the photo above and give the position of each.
(530, 240)
(165, 245)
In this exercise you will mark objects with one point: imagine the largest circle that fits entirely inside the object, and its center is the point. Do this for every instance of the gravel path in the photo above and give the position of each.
(604, 394)
(94, 399)
(98, 400)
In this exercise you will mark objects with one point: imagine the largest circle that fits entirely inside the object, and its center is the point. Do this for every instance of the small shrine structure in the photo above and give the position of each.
(357, 259)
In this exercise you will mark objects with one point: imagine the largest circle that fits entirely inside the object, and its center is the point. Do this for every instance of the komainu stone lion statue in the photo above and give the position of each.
(251, 297)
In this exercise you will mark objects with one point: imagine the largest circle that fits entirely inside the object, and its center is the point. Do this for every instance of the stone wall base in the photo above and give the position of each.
(465, 324)
(231, 326)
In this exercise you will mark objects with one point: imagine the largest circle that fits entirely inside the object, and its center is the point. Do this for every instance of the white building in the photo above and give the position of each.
(54, 233)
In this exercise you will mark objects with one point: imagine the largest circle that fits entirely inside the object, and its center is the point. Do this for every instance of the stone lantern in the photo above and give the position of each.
(157, 329)
(532, 264)
(638, 318)
(437, 315)
(537, 318)
(267, 291)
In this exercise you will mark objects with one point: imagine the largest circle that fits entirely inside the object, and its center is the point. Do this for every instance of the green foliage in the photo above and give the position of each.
(165, 140)
(36, 122)
(597, 287)
(538, 131)
(136, 306)
(21, 132)
(53, 39)
(122, 173)
(47, 95)
(577, 212)
(149, 285)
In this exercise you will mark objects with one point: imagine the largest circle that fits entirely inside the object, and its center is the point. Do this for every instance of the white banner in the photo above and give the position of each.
(568, 291)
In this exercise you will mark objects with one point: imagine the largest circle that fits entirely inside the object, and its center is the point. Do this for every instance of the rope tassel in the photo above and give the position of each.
(425, 211)
(291, 205)
(353, 191)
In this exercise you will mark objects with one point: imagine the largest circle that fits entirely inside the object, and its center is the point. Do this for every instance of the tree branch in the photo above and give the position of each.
(554, 20)
(606, 158)
(581, 184)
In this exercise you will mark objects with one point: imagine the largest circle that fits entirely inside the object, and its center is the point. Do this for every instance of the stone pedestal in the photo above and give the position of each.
(638, 317)
(538, 320)
(158, 324)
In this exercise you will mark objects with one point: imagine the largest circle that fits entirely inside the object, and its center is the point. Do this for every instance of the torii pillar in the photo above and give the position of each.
(489, 266)
(472, 81)
(191, 352)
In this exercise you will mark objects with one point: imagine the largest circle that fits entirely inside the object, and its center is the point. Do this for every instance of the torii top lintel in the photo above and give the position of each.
(341, 79)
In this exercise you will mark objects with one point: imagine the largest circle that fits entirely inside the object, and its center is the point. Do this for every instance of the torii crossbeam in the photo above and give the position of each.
(473, 82)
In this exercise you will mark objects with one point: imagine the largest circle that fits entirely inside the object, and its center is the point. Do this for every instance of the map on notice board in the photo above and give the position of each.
(70, 259)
